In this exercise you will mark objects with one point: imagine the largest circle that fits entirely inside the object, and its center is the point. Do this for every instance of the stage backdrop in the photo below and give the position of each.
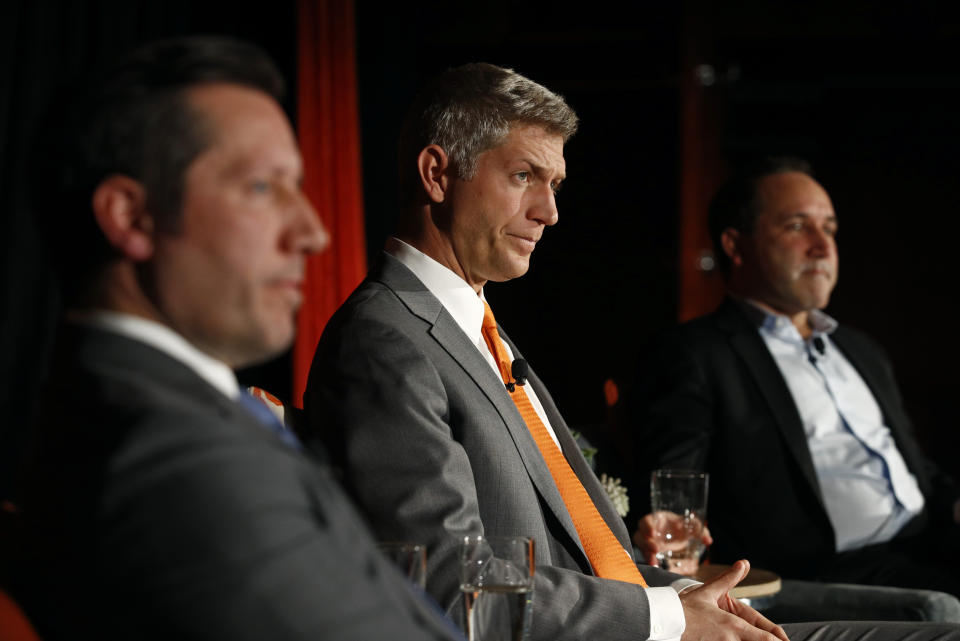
(330, 142)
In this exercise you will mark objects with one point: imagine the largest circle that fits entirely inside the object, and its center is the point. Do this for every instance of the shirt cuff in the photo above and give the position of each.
(680, 585)
(666, 614)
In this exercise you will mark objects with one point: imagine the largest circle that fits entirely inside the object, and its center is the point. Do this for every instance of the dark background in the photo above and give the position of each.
(870, 93)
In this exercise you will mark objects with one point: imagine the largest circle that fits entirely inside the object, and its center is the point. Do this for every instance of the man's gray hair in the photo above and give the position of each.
(470, 109)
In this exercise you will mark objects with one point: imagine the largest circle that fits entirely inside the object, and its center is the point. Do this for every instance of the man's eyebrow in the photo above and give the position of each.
(790, 215)
(542, 171)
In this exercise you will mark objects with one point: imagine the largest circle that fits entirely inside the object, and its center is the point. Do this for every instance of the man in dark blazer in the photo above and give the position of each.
(161, 503)
(411, 401)
(765, 395)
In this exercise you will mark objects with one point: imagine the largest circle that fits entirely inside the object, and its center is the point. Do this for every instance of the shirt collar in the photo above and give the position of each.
(164, 339)
(454, 293)
(781, 326)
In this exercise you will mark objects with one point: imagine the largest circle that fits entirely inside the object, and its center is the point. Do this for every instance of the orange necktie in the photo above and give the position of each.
(607, 556)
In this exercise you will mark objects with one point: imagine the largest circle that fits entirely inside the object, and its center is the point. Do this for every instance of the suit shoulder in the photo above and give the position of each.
(850, 335)
(371, 302)
(696, 334)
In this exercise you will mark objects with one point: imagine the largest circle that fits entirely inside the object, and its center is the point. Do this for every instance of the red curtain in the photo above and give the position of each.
(329, 133)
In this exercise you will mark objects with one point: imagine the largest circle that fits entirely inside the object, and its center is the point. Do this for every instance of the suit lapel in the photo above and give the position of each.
(444, 329)
(747, 343)
(869, 371)
(573, 455)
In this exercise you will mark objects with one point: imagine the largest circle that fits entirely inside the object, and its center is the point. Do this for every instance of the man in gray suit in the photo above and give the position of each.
(161, 503)
(407, 394)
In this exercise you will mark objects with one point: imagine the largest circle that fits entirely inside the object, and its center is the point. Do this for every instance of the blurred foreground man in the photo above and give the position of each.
(161, 502)
(814, 469)
(420, 398)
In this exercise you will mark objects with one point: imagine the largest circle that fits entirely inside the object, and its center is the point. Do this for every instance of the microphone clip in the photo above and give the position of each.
(518, 371)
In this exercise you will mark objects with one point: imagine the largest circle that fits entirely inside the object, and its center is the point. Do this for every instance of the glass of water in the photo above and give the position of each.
(679, 502)
(496, 578)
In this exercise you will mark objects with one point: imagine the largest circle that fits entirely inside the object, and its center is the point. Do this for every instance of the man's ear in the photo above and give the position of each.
(433, 166)
(730, 241)
(120, 208)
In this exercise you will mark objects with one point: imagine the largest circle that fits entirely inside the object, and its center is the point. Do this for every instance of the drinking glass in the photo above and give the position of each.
(496, 578)
(679, 502)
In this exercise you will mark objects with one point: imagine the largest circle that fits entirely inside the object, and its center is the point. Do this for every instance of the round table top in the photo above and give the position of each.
(757, 583)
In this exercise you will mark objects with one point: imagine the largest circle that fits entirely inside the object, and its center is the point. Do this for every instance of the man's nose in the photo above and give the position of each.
(821, 242)
(307, 234)
(544, 209)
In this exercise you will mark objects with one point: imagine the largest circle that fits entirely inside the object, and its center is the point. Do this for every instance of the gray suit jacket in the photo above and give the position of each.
(433, 448)
(156, 508)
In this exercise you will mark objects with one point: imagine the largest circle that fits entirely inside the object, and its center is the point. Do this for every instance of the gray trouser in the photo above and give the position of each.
(811, 601)
(873, 631)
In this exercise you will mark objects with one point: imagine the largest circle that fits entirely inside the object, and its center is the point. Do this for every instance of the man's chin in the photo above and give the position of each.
(264, 347)
(517, 268)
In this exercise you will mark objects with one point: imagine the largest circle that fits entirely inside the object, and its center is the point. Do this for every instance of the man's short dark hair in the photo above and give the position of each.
(470, 109)
(735, 204)
(134, 120)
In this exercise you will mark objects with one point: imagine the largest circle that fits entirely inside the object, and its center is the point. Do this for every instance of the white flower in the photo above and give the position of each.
(617, 493)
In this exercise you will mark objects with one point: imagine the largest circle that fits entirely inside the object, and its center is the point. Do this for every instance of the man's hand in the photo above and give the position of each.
(652, 536)
(711, 613)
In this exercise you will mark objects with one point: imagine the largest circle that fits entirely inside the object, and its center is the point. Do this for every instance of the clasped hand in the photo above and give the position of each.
(712, 614)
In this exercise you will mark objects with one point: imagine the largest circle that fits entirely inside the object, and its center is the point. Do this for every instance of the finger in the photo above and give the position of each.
(725, 582)
(706, 537)
(751, 616)
(645, 529)
(761, 622)
(729, 623)
(752, 633)
(649, 548)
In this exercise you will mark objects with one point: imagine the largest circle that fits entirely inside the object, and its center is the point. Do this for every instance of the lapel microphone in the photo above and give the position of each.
(519, 370)
(818, 345)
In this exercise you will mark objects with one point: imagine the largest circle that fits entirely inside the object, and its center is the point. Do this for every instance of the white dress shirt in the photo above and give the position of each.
(868, 491)
(462, 302)
(161, 337)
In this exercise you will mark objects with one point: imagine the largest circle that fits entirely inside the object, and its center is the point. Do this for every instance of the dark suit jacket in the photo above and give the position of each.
(711, 397)
(433, 448)
(157, 508)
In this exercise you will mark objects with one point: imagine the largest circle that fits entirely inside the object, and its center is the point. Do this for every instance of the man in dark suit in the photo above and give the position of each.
(161, 503)
(814, 470)
(419, 395)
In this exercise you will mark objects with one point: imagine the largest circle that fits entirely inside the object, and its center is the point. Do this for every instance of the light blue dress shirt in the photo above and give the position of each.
(868, 491)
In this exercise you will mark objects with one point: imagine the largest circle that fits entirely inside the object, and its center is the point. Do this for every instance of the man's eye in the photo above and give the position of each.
(260, 186)
(555, 186)
(522, 176)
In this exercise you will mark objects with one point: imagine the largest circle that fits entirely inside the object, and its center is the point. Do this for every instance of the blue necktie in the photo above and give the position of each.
(268, 419)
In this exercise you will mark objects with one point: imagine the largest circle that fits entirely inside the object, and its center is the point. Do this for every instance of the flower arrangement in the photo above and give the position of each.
(617, 493)
(612, 486)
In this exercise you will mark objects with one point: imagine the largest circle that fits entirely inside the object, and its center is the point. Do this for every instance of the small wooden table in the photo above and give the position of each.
(758, 589)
